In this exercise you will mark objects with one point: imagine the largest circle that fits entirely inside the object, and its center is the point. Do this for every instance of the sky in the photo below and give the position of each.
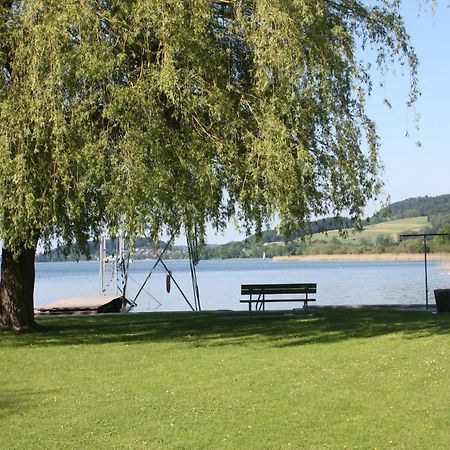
(409, 170)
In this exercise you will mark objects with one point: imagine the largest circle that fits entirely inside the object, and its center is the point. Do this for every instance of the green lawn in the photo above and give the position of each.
(334, 379)
(395, 227)
(392, 228)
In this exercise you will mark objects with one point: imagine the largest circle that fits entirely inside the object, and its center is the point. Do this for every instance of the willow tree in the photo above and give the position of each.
(142, 115)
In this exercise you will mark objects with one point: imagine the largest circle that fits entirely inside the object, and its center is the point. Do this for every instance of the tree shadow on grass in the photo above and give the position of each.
(215, 329)
(14, 401)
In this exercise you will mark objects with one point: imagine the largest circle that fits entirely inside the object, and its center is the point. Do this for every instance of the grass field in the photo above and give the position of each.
(392, 228)
(333, 379)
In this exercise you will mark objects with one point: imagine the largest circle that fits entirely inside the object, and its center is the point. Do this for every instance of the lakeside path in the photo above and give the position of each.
(443, 257)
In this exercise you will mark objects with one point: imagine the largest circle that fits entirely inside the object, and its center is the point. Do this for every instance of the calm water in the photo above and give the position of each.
(219, 282)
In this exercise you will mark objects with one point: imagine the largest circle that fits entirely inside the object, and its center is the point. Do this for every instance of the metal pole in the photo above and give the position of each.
(192, 263)
(176, 284)
(426, 270)
(424, 235)
(102, 264)
(153, 268)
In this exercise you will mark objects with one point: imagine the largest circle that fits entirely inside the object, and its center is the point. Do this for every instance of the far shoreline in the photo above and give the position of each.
(403, 257)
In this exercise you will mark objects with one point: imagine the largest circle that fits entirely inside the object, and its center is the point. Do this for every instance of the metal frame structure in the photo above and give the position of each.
(114, 272)
(193, 261)
(425, 236)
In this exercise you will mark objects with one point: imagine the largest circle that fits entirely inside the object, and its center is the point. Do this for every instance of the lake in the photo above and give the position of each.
(338, 283)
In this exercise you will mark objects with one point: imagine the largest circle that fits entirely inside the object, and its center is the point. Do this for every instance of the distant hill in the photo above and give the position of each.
(414, 207)
(430, 213)
(436, 209)
(392, 228)
(142, 249)
(312, 227)
(382, 230)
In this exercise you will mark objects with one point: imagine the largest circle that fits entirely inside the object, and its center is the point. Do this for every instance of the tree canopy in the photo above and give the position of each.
(143, 115)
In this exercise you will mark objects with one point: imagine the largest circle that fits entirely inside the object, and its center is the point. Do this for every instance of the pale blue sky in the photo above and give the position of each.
(411, 171)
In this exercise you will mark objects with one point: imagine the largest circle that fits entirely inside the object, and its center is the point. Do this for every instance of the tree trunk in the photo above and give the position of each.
(17, 289)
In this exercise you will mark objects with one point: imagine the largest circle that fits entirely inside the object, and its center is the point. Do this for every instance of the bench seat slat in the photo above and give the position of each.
(277, 291)
(279, 286)
(271, 292)
(286, 285)
(278, 300)
(267, 289)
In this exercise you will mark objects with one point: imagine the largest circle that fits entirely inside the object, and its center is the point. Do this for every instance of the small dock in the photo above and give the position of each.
(96, 304)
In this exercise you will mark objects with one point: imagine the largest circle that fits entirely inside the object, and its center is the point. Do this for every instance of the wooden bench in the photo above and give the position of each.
(260, 294)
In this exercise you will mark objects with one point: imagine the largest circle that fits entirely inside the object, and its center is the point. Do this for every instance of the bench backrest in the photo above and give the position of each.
(296, 288)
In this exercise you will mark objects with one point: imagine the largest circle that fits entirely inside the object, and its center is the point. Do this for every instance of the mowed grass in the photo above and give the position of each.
(343, 378)
(392, 228)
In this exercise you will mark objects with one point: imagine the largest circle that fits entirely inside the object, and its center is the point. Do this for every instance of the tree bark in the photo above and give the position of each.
(17, 289)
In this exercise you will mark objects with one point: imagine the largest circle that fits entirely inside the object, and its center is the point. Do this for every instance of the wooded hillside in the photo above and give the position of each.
(414, 207)
(426, 214)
